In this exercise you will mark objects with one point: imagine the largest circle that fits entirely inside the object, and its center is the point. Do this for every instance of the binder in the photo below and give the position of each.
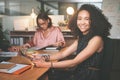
(17, 69)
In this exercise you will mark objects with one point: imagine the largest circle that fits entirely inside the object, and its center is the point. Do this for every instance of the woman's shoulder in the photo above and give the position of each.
(96, 38)
(55, 28)
(38, 31)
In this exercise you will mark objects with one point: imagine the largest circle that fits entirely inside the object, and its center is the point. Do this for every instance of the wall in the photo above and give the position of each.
(8, 21)
(63, 6)
(111, 8)
(18, 7)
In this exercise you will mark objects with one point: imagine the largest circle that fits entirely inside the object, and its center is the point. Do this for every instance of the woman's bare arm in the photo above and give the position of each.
(65, 52)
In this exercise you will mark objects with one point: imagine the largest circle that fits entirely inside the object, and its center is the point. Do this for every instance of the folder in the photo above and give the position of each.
(17, 69)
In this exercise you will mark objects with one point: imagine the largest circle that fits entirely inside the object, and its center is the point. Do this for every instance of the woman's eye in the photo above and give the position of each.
(87, 18)
(79, 19)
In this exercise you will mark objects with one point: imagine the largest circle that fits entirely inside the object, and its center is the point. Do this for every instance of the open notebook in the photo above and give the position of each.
(34, 50)
(46, 48)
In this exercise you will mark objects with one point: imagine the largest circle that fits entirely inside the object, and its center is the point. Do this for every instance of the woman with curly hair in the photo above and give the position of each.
(90, 27)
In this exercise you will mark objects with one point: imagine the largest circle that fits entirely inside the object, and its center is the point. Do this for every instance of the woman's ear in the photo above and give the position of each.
(48, 20)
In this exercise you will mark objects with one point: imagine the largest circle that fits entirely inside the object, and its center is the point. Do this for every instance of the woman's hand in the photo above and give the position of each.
(45, 57)
(41, 63)
(58, 44)
(34, 57)
(40, 60)
(14, 48)
(26, 46)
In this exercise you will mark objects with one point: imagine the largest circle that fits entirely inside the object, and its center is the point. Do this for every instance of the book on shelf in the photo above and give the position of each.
(13, 68)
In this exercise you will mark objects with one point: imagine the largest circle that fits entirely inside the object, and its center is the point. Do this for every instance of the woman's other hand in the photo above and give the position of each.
(34, 57)
(26, 46)
(14, 48)
(41, 63)
(61, 44)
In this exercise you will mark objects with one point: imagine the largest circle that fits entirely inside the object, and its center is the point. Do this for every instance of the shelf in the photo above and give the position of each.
(21, 37)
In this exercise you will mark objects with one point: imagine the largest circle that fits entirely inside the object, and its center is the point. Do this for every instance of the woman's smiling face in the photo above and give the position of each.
(83, 21)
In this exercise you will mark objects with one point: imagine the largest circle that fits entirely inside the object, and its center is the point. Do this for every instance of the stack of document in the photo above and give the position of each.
(8, 54)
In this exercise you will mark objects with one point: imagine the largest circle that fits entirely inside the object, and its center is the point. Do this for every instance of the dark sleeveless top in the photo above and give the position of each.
(82, 71)
(95, 59)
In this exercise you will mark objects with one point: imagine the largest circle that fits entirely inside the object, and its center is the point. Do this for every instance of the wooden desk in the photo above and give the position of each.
(31, 74)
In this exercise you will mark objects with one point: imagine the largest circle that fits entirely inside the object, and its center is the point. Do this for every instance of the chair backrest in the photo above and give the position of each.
(111, 58)
(107, 59)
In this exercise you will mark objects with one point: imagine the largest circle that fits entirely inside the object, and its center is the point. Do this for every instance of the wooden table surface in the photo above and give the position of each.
(32, 74)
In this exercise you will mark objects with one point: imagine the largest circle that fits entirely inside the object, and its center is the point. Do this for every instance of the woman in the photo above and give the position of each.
(90, 27)
(47, 34)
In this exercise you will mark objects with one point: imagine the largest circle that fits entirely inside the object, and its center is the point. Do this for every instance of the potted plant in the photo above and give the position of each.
(4, 42)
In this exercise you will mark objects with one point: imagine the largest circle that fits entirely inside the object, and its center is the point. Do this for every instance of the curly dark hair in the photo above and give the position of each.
(44, 16)
(99, 22)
